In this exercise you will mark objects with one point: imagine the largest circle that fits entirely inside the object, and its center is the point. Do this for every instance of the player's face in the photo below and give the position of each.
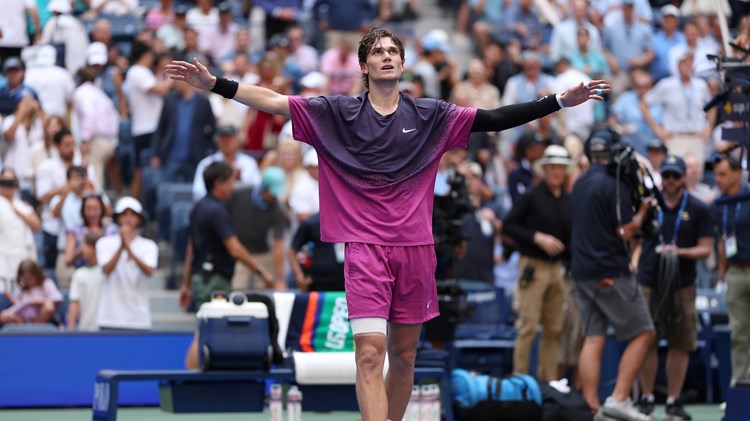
(384, 61)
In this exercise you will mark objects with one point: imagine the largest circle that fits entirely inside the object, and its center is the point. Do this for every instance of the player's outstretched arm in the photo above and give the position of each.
(518, 114)
(197, 75)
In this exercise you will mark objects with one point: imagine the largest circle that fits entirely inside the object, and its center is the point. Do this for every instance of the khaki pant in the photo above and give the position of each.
(683, 144)
(539, 302)
(63, 272)
(738, 305)
(101, 151)
(245, 278)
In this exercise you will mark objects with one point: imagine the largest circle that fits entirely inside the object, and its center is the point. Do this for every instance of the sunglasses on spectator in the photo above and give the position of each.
(671, 174)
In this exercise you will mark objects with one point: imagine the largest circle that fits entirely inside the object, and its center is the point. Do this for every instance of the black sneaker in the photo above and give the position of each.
(646, 406)
(676, 412)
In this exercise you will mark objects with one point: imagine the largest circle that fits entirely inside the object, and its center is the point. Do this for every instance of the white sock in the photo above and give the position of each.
(649, 397)
(671, 400)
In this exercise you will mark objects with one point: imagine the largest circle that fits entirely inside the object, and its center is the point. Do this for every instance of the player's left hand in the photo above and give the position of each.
(584, 92)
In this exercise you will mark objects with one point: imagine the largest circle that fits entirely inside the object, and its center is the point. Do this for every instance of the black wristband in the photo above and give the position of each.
(225, 87)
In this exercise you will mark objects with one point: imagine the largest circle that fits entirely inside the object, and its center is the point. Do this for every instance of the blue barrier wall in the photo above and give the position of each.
(38, 370)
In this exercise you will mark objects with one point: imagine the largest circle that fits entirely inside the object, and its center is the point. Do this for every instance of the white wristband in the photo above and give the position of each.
(559, 101)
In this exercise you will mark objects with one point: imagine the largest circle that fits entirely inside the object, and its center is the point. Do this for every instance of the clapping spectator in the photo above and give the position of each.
(21, 132)
(17, 221)
(128, 262)
(85, 288)
(93, 210)
(36, 299)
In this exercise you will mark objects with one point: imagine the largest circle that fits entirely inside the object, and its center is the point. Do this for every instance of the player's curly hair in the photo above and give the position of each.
(369, 40)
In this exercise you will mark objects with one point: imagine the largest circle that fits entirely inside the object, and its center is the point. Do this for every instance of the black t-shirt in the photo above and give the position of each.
(326, 272)
(695, 222)
(255, 219)
(597, 252)
(478, 263)
(210, 225)
(739, 228)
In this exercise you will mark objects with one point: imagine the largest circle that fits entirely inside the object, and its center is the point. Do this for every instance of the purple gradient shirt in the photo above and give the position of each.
(377, 173)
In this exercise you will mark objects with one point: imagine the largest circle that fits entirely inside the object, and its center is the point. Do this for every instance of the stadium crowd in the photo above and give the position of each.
(94, 133)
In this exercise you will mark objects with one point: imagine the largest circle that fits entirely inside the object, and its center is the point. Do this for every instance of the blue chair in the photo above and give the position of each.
(178, 237)
(167, 195)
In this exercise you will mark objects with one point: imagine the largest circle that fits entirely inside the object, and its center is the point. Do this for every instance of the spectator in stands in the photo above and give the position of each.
(190, 41)
(433, 52)
(258, 215)
(242, 45)
(85, 288)
(503, 61)
(626, 116)
(686, 236)
(43, 150)
(564, 35)
(339, 64)
(102, 32)
(521, 21)
(51, 180)
(288, 157)
(15, 34)
(488, 19)
(160, 15)
(184, 135)
(280, 15)
(317, 265)
(260, 128)
(702, 66)
(213, 247)
(667, 37)
(35, 300)
(145, 99)
(13, 89)
(343, 20)
(611, 11)
(581, 122)
(203, 15)
(476, 88)
(246, 172)
(218, 40)
(21, 132)
(98, 123)
(112, 7)
(16, 229)
(656, 151)
(94, 208)
(540, 223)
(530, 83)
(67, 34)
(303, 197)
(593, 63)
(304, 55)
(530, 148)
(694, 183)
(172, 34)
(109, 77)
(628, 42)
(686, 127)
(128, 262)
(53, 84)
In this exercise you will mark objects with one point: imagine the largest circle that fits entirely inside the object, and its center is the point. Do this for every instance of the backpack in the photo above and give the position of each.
(559, 406)
(484, 397)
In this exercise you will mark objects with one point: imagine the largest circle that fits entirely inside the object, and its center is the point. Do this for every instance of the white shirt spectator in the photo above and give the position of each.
(249, 172)
(85, 289)
(682, 104)
(18, 153)
(17, 238)
(145, 107)
(124, 300)
(306, 58)
(52, 174)
(198, 20)
(70, 216)
(581, 121)
(96, 114)
(115, 7)
(54, 86)
(564, 38)
(13, 22)
(213, 40)
(68, 30)
(303, 199)
(702, 66)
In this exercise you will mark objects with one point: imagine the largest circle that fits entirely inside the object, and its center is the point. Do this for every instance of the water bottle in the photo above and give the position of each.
(436, 403)
(414, 407)
(425, 410)
(275, 405)
(294, 404)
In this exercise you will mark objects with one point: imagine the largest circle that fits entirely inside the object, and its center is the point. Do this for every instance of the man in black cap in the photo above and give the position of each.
(530, 148)
(13, 89)
(656, 152)
(668, 279)
(606, 291)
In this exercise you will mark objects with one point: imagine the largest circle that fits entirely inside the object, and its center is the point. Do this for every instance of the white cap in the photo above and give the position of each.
(46, 56)
(128, 202)
(96, 53)
(313, 80)
(310, 159)
(672, 10)
(59, 6)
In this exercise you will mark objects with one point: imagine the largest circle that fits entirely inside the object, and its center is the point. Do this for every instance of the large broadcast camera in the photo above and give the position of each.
(623, 164)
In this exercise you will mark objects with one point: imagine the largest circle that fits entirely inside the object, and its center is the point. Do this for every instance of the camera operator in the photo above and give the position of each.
(733, 220)
(540, 223)
(667, 276)
(606, 291)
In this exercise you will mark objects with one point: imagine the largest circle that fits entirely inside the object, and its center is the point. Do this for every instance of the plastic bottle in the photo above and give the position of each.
(413, 409)
(436, 403)
(294, 404)
(274, 404)
(425, 410)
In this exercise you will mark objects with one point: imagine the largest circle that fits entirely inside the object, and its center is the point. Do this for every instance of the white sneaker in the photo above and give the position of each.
(624, 411)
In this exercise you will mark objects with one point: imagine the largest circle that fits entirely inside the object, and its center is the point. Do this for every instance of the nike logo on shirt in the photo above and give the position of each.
(407, 131)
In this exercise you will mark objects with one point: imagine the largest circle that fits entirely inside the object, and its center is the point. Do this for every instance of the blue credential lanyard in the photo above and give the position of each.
(677, 222)
(725, 224)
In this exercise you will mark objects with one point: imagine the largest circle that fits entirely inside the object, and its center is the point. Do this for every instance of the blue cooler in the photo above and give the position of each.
(234, 334)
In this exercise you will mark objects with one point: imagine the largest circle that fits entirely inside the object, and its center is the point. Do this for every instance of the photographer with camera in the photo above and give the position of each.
(606, 291)
(540, 222)
(667, 275)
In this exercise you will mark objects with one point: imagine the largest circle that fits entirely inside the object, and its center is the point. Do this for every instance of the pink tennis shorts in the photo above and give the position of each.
(396, 283)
